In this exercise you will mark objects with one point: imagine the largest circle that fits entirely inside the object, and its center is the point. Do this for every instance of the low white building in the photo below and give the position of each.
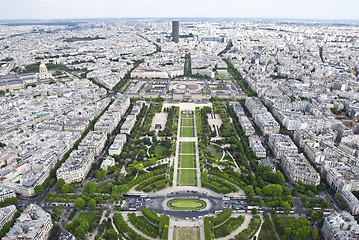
(128, 124)
(256, 145)
(117, 146)
(108, 162)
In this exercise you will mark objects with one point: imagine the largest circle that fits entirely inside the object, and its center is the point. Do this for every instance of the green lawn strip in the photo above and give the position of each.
(285, 221)
(102, 188)
(187, 148)
(186, 234)
(187, 161)
(187, 177)
(88, 217)
(187, 122)
(216, 151)
(187, 131)
(186, 204)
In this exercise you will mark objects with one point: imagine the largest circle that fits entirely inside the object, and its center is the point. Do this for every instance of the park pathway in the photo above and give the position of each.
(175, 162)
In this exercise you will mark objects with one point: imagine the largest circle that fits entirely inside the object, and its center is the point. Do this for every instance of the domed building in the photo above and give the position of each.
(43, 72)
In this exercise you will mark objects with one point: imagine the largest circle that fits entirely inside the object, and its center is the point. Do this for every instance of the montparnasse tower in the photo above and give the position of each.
(43, 72)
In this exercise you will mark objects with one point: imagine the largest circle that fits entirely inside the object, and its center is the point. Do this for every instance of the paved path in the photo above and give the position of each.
(175, 162)
(199, 184)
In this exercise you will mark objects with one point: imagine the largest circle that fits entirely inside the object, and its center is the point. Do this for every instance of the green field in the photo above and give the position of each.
(88, 217)
(187, 148)
(186, 115)
(186, 204)
(188, 122)
(187, 132)
(185, 233)
(187, 161)
(187, 177)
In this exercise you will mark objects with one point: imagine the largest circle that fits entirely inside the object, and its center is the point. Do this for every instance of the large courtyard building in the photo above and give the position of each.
(34, 223)
(76, 167)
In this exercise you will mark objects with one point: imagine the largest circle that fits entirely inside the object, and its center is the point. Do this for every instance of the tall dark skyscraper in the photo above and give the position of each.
(175, 31)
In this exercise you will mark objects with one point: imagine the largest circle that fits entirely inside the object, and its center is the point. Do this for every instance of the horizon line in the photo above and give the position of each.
(183, 18)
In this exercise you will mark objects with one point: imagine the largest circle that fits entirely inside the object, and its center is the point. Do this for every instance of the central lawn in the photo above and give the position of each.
(187, 161)
(186, 204)
(187, 132)
(183, 233)
(187, 148)
(187, 122)
(187, 177)
(88, 217)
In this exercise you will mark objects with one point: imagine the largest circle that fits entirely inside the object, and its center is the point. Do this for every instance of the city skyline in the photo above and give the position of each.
(279, 9)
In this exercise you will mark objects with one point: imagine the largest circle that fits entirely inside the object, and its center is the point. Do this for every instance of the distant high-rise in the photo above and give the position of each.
(175, 31)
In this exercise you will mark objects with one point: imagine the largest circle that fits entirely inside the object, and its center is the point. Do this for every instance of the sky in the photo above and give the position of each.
(288, 9)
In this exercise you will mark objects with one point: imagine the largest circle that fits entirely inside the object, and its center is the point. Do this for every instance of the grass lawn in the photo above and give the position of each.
(187, 177)
(285, 222)
(88, 217)
(187, 161)
(101, 188)
(187, 148)
(186, 115)
(186, 204)
(263, 234)
(187, 132)
(215, 151)
(187, 122)
(185, 233)
(159, 150)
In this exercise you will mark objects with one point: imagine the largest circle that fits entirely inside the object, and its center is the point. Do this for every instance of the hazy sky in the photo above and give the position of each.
(294, 9)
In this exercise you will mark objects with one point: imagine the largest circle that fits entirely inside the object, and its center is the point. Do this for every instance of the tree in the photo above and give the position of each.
(39, 189)
(124, 188)
(309, 193)
(79, 232)
(272, 190)
(90, 187)
(254, 211)
(60, 183)
(315, 234)
(92, 205)
(79, 203)
(286, 208)
(100, 174)
(298, 229)
(316, 215)
(65, 188)
(110, 234)
(57, 211)
(286, 191)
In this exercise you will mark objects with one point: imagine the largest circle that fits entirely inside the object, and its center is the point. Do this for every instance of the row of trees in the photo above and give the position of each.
(123, 227)
(143, 225)
(172, 113)
(228, 227)
(162, 221)
(240, 80)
